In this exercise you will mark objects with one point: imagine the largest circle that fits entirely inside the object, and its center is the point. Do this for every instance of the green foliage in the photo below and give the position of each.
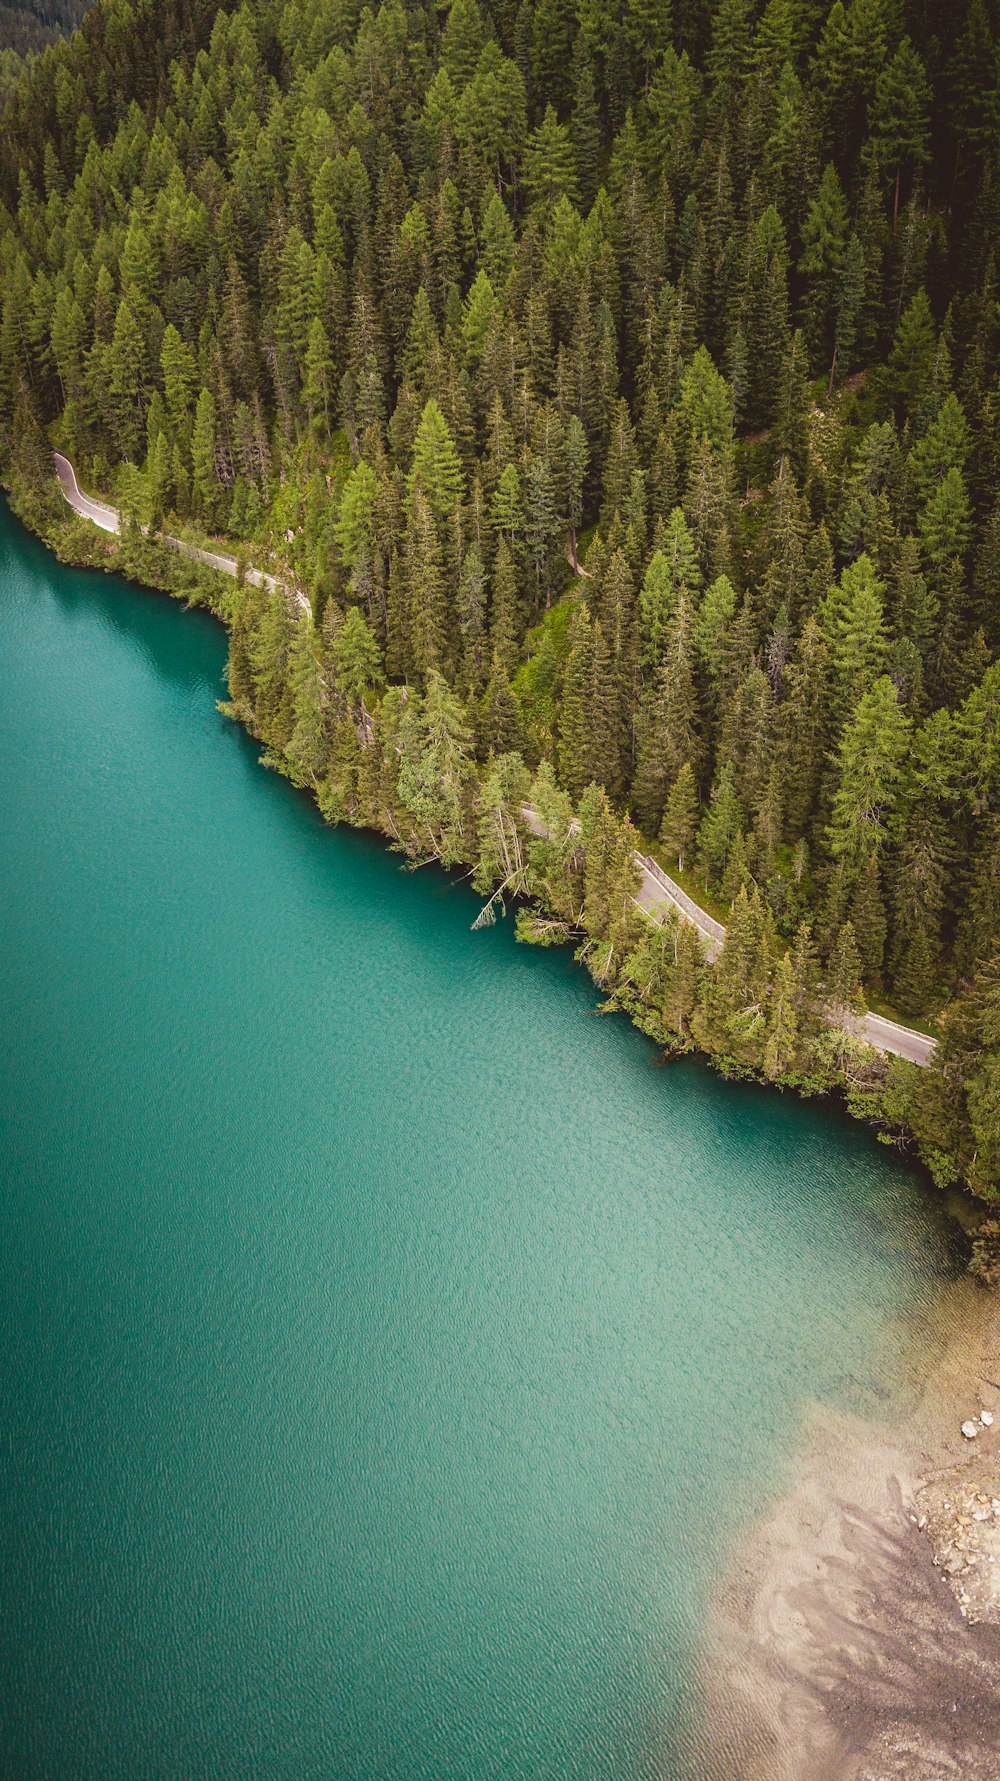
(444, 311)
(680, 817)
(436, 463)
(954, 1107)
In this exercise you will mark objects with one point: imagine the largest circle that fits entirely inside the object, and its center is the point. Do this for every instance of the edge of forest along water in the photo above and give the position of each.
(837, 1647)
(189, 577)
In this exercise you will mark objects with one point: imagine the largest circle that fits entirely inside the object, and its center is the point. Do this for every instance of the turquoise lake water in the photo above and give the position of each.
(390, 1353)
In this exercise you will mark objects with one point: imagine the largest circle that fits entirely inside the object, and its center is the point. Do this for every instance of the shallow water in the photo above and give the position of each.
(389, 1353)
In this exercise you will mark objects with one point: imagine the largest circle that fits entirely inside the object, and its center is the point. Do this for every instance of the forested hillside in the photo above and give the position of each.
(621, 385)
(25, 29)
(28, 25)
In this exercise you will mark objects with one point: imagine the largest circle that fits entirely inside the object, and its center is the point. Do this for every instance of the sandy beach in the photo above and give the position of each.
(856, 1635)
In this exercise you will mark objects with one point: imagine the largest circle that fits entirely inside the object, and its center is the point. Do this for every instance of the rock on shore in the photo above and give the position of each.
(857, 1631)
(959, 1510)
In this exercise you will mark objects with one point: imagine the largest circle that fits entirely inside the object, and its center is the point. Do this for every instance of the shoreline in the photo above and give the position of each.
(840, 1645)
(837, 1650)
(166, 571)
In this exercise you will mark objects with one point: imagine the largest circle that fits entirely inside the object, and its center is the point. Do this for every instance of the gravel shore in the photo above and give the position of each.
(856, 1635)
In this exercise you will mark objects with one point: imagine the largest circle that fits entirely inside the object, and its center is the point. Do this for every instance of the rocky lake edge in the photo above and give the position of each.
(849, 1643)
(856, 1633)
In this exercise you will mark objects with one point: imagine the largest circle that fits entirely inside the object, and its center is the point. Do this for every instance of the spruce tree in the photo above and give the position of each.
(307, 744)
(843, 974)
(680, 817)
(436, 463)
(575, 729)
(426, 590)
(499, 725)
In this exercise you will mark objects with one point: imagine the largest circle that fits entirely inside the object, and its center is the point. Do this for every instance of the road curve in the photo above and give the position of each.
(98, 511)
(657, 889)
(109, 520)
(885, 1035)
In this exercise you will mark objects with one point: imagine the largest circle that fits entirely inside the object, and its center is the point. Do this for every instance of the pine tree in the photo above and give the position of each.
(499, 727)
(307, 744)
(900, 117)
(317, 373)
(159, 480)
(670, 734)
(585, 126)
(126, 378)
(672, 569)
(576, 454)
(824, 238)
(711, 626)
(944, 524)
(852, 619)
(506, 508)
(427, 595)
(870, 767)
(868, 917)
(781, 1044)
(471, 611)
(943, 447)
(502, 834)
(541, 524)
(357, 661)
(269, 656)
(908, 368)
(611, 876)
(436, 463)
(848, 308)
(575, 745)
(719, 826)
(604, 716)
(555, 848)
(549, 168)
(435, 771)
(203, 441)
(681, 995)
(180, 373)
(505, 607)
(680, 818)
(805, 725)
(843, 975)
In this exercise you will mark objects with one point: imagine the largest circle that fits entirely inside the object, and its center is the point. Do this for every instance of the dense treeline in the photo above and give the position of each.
(621, 385)
(26, 29)
(28, 25)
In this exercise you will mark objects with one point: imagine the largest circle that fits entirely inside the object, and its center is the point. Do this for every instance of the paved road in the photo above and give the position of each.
(109, 520)
(888, 1035)
(102, 515)
(659, 891)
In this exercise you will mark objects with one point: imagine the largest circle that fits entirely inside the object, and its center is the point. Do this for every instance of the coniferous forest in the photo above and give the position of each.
(28, 25)
(621, 387)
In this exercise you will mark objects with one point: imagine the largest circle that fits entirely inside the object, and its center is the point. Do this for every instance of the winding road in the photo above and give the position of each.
(109, 520)
(657, 891)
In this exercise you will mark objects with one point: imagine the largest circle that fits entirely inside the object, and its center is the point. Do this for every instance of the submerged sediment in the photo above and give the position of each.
(847, 1645)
